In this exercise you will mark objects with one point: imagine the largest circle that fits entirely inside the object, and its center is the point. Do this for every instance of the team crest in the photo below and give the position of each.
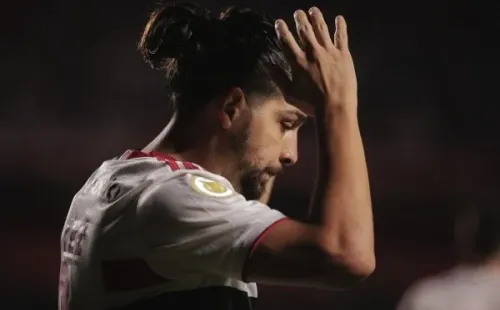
(210, 187)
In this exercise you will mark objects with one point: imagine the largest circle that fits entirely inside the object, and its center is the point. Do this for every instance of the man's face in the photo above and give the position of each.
(266, 144)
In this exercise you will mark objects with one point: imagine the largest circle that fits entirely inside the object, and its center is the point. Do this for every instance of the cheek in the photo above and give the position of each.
(266, 131)
(265, 141)
(290, 141)
(269, 154)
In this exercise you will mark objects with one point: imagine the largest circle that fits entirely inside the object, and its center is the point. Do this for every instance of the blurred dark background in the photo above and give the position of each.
(76, 92)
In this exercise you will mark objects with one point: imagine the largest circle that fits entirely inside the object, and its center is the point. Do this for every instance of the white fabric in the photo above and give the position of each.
(141, 208)
(463, 288)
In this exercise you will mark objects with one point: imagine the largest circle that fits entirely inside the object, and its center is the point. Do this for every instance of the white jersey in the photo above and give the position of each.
(148, 231)
(463, 288)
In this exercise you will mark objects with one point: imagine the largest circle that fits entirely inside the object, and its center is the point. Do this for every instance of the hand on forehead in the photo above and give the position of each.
(284, 83)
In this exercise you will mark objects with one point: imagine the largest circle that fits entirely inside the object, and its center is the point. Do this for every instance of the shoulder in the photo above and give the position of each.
(192, 183)
(191, 192)
(199, 196)
(431, 290)
(131, 174)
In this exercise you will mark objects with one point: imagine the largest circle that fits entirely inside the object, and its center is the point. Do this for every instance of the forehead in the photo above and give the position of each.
(286, 88)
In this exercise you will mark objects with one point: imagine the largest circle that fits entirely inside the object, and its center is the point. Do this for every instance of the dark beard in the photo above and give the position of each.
(251, 178)
(250, 181)
(252, 184)
(252, 187)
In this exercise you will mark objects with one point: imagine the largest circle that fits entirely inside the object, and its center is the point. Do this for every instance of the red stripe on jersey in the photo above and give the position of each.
(126, 275)
(160, 156)
(170, 160)
(167, 156)
(257, 242)
(173, 164)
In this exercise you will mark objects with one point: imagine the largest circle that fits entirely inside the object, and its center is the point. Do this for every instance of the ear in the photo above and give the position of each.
(233, 106)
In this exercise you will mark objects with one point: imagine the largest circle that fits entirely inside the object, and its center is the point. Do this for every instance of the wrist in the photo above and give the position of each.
(336, 125)
(333, 123)
(328, 112)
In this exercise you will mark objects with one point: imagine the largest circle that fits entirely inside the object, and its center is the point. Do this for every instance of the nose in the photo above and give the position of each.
(289, 154)
(287, 161)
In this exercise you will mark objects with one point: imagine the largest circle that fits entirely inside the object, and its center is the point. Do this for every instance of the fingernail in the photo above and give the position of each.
(276, 24)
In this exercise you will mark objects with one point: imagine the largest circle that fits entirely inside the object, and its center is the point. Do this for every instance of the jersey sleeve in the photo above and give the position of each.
(416, 298)
(195, 223)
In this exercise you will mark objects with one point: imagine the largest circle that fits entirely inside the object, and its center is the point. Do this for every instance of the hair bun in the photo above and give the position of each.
(254, 27)
(172, 32)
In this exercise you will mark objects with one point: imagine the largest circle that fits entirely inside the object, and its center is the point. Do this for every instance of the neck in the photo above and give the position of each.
(197, 146)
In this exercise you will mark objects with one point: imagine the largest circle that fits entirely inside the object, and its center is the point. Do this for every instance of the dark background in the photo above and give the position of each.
(76, 92)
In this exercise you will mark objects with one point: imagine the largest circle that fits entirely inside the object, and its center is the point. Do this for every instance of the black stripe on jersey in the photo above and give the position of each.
(207, 298)
(138, 275)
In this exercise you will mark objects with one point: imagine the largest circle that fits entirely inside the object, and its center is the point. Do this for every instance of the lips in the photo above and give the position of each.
(272, 172)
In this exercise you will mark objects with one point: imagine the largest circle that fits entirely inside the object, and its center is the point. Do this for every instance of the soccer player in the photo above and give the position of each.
(181, 224)
(474, 284)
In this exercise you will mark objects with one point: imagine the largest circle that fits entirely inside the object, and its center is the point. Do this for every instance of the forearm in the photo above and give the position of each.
(342, 202)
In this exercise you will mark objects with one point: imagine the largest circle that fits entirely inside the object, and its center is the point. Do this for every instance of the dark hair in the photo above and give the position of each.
(480, 227)
(203, 56)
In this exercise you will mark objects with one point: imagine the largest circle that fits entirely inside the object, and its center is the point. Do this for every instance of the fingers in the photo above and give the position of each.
(290, 44)
(305, 30)
(312, 33)
(320, 27)
(341, 40)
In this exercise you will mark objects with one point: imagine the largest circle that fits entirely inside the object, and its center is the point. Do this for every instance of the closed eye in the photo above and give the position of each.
(287, 125)
(291, 120)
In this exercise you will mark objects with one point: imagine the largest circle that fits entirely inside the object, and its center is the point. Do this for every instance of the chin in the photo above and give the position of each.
(254, 184)
(264, 179)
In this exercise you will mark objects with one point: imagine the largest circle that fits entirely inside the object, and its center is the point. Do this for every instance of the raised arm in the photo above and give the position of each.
(221, 233)
(336, 249)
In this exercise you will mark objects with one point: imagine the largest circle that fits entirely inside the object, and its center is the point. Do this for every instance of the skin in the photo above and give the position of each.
(271, 146)
(249, 141)
(252, 141)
